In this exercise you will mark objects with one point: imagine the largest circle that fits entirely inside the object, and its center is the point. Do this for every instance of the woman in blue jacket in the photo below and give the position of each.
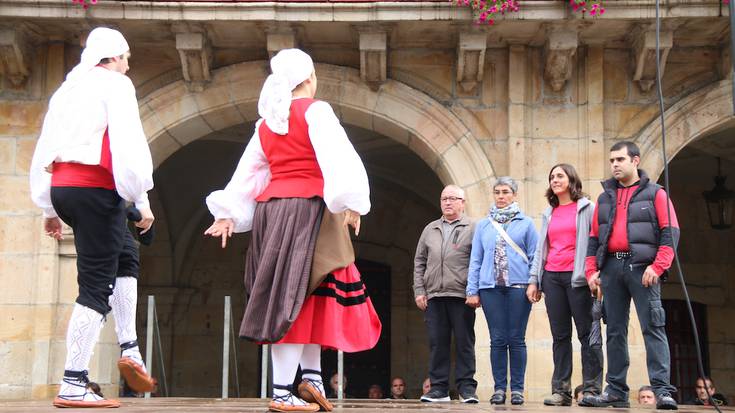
(502, 248)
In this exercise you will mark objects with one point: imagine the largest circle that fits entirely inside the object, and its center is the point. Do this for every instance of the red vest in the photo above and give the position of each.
(295, 172)
(86, 176)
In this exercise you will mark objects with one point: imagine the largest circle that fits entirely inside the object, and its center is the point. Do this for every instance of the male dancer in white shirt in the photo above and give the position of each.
(92, 157)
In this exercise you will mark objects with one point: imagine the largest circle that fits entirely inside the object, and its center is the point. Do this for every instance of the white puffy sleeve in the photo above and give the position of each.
(252, 176)
(132, 166)
(345, 180)
(40, 179)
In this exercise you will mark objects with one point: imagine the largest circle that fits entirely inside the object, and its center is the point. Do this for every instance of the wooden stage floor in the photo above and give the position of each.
(191, 405)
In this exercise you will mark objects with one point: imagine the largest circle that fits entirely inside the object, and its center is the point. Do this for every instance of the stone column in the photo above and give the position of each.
(594, 166)
(517, 120)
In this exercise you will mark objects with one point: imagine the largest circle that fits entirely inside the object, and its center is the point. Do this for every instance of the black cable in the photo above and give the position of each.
(659, 90)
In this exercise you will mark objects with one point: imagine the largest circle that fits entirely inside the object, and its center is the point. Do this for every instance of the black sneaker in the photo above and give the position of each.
(468, 397)
(498, 397)
(604, 400)
(666, 402)
(435, 396)
(516, 398)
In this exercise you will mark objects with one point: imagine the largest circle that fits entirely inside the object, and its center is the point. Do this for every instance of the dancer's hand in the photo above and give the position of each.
(352, 219)
(146, 221)
(221, 228)
(52, 226)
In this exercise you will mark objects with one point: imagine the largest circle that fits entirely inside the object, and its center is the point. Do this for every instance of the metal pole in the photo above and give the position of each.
(226, 350)
(731, 8)
(149, 338)
(264, 371)
(234, 355)
(340, 374)
(160, 352)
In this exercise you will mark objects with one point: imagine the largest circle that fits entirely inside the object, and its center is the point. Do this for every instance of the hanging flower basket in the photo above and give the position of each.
(486, 11)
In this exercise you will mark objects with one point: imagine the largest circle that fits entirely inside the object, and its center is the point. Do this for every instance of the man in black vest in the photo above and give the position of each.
(632, 241)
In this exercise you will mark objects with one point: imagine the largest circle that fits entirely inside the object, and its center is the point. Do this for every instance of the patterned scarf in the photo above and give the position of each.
(503, 216)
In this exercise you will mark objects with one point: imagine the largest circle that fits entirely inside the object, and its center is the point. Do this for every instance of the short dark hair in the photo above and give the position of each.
(575, 185)
(705, 379)
(645, 388)
(631, 147)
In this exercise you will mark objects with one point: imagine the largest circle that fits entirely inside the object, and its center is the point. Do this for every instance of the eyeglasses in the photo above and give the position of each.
(451, 199)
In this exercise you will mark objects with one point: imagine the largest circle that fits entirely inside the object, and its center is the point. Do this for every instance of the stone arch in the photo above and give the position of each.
(694, 116)
(173, 117)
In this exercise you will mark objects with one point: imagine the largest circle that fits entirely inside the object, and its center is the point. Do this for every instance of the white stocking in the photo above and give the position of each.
(82, 335)
(124, 301)
(285, 363)
(311, 359)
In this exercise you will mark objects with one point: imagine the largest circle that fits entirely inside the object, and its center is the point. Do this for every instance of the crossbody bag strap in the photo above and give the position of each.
(509, 240)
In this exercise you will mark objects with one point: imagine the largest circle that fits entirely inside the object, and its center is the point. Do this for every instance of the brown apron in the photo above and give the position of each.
(333, 248)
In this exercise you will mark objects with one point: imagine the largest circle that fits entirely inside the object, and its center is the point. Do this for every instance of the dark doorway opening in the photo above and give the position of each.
(369, 367)
(684, 370)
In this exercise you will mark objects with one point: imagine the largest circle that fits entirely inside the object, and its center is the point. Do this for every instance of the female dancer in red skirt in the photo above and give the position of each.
(298, 186)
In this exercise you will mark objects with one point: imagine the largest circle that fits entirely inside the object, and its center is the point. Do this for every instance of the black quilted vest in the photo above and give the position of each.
(644, 235)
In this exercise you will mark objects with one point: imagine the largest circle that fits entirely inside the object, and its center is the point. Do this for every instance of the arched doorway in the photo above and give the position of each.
(410, 144)
(700, 129)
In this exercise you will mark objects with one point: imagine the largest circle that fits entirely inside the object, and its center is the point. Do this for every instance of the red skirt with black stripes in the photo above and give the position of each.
(337, 315)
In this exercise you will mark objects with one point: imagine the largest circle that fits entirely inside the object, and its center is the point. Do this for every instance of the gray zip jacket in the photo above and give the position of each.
(442, 271)
(585, 211)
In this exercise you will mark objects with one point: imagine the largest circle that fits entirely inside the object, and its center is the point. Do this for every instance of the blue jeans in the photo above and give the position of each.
(506, 311)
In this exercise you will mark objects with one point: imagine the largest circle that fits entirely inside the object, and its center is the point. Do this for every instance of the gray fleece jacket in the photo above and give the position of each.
(585, 211)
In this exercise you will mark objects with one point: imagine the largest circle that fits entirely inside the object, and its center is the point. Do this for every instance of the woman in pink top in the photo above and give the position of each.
(558, 272)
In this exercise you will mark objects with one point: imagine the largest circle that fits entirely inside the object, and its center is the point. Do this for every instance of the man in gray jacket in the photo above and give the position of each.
(439, 282)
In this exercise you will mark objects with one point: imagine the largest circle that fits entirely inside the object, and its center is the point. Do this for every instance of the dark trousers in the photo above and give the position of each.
(564, 303)
(129, 261)
(444, 316)
(97, 217)
(620, 283)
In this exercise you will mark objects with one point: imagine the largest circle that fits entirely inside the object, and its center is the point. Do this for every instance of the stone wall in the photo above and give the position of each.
(519, 120)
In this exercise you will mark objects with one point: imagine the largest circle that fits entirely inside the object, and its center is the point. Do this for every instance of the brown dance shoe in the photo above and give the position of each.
(135, 376)
(310, 393)
(92, 398)
(275, 406)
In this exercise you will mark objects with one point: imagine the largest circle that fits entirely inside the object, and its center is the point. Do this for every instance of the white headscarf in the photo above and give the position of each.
(102, 42)
(290, 68)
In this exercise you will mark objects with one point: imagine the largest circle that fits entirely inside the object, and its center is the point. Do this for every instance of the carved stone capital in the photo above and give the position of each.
(196, 55)
(279, 38)
(14, 55)
(471, 59)
(373, 57)
(560, 49)
(644, 56)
